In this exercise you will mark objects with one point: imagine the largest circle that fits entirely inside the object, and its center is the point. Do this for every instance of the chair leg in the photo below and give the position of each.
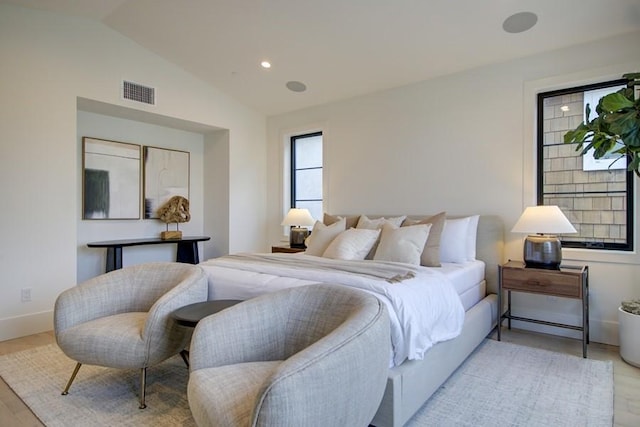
(73, 377)
(185, 356)
(143, 387)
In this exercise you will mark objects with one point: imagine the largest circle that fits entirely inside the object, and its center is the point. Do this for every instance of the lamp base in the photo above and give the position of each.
(542, 251)
(297, 236)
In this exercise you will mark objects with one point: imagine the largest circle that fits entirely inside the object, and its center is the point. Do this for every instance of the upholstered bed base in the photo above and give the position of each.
(411, 384)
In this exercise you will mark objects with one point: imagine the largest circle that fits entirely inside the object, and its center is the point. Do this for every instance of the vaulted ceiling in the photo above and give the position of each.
(342, 48)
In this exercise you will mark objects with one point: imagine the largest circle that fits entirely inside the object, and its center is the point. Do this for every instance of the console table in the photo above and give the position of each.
(187, 249)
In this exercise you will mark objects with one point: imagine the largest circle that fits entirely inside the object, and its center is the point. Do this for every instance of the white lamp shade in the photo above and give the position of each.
(298, 217)
(543, 220)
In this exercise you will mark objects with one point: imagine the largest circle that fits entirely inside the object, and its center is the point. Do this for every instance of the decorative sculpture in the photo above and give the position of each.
(175, 210)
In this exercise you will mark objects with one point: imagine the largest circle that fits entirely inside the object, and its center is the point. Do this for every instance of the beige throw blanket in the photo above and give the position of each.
(390, 272)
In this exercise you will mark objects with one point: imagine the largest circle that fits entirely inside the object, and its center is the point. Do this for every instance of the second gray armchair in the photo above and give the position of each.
(316, 355)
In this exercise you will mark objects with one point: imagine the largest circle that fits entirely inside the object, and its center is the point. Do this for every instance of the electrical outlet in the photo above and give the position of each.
(25, 295)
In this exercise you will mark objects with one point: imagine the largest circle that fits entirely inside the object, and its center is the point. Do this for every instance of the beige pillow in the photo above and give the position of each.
(373, 224)
(352, 244)
(404, 244)
(431, 254)
(352, 220)
(322, 235)
(376, 224)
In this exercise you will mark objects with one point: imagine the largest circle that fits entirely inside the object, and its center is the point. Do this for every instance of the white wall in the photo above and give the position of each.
(463, 143)
(49, 61)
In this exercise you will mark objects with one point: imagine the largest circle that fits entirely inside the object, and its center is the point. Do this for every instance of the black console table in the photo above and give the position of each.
(187, 249)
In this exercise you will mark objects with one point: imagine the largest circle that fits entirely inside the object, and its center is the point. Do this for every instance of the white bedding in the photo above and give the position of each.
(468, 281)
(424, 310)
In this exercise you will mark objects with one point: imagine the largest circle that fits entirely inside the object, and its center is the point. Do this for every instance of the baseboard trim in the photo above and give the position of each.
(29, 324)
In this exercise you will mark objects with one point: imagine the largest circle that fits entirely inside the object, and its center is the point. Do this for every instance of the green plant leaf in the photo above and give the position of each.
(634, 165)
(632, 138)
(622, 123)
(615, 102)
(577, 135)
(602, 145)
(632, 77)
(585, 149)
(617, 122)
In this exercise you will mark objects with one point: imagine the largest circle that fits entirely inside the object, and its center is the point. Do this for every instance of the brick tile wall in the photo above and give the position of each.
(582, 195)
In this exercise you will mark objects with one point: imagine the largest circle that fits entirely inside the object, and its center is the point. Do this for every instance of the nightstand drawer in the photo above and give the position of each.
(539, 281)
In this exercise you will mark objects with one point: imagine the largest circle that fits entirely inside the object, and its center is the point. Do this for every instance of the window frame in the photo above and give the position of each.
(293, 169)
(629, 189)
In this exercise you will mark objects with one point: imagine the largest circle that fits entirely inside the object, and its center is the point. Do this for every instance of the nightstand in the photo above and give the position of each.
(567, 282)
(286, 249)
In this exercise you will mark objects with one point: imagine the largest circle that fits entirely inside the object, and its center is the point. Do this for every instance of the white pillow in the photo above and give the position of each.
(322, 235)
(373, 224)
(453, 241)
(352, 244)
(472, 235)
(403, 244)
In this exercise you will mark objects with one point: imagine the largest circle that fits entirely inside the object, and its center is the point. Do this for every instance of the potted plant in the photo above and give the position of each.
(616, 130)
(629, 331)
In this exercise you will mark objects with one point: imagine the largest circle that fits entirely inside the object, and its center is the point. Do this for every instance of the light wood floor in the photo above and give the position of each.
(626, 377)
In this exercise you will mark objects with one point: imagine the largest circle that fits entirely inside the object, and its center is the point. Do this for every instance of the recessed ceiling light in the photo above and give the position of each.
(296, 86)
(265, 64)
(565, 108)
(520, 22)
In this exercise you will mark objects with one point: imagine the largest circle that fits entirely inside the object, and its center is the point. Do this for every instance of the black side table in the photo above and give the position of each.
(191, 314)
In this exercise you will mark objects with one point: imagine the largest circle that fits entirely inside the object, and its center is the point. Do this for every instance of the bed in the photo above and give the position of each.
(420, 362)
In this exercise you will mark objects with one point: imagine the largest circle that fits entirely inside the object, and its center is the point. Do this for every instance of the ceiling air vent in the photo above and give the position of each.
(139, 93)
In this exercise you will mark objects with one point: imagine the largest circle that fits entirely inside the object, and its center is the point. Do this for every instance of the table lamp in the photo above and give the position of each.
(298, 219)
(542, 248)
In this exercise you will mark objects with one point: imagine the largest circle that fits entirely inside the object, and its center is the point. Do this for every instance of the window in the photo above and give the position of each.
(595, 195)
(306, 173)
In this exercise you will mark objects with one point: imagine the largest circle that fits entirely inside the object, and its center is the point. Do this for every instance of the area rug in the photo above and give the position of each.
(504, 384)
(98, 396)
(501, 384)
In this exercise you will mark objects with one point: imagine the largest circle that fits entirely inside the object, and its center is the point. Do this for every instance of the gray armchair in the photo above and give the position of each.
(315, 355)
(122, 319)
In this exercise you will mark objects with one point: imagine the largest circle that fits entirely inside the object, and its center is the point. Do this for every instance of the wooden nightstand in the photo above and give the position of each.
(567, 282)
(286, 249)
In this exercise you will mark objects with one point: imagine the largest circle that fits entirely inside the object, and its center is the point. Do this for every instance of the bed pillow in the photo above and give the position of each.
(352, 220)
(322, 235)
(453, 242)
(352, 244)
(373, 224)
(402, 244)
(472, 237)
(376, 224)
(431, 254)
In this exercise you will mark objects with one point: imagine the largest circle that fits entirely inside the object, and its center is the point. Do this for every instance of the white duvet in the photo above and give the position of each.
(424, 309)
